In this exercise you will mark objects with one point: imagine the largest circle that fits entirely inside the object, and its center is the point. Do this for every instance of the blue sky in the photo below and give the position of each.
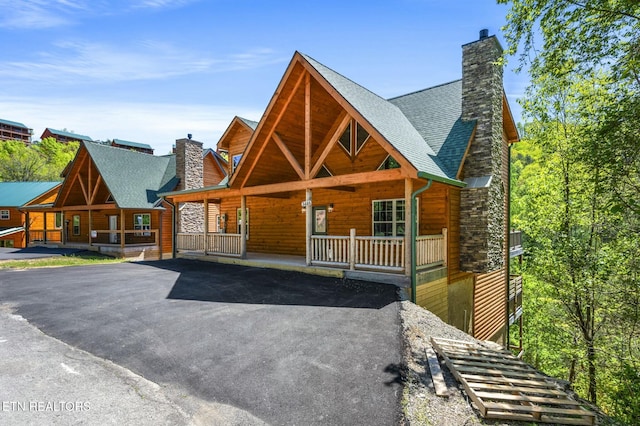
(152, 71)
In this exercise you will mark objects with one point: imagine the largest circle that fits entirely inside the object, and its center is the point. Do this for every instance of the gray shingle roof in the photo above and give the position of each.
(436, 115)
(250, 123)
(389, 120)
(133, 178)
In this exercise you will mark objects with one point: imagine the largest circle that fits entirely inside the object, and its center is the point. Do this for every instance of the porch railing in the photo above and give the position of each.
(431, 250)
(190, 241)
(131, 237)
(515, 298)
(216, 243)
(48, 236)
(224, 243)
(378, 253)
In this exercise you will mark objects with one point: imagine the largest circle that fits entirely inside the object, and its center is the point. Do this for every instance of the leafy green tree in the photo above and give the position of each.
(42, 161)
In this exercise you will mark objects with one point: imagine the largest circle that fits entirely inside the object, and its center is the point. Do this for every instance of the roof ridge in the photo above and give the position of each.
(125, 149)
(343, 76)
(425, 89)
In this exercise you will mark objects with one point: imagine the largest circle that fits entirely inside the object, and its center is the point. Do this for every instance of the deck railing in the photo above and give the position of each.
(330, 249)
(216, 243)
(379, 253)
(376, 253)
(190, 241)
(131, 237)
(431, 250)
(515, 298)
(48, 236)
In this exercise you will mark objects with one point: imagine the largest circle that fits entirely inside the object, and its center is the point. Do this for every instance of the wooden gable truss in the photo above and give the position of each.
(287, 153)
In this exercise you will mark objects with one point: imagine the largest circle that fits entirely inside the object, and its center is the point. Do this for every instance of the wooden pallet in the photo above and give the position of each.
(504, 387)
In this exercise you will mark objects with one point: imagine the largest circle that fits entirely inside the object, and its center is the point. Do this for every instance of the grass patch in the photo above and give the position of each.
(60, 261)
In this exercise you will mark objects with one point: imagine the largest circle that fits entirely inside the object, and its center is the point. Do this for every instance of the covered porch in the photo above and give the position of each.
(346, 252)
(112, 231)
(357, 228)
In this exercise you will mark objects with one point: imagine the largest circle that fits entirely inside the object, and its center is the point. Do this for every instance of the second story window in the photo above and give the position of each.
(4, 215)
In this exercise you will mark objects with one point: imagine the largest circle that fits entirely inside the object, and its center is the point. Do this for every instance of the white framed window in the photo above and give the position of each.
(4, 215)
(388, 218)
(239, 220)
(58, 221)
(235, 160)
(142, 222)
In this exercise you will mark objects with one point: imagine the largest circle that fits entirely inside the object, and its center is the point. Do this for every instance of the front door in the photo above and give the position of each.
(113, 226)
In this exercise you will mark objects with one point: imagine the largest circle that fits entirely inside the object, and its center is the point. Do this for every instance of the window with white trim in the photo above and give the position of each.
(4, 215)
(142, 222)
(388, 218)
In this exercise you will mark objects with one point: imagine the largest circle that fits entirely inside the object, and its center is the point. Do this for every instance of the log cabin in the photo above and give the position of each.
(15, 223)
(411, 190)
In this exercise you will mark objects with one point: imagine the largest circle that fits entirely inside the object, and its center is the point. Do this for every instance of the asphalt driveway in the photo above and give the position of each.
(281, 347)
(35, 252)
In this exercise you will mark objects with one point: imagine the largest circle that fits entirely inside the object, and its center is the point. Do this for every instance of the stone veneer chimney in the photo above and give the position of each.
(189, 169)
(482, 204)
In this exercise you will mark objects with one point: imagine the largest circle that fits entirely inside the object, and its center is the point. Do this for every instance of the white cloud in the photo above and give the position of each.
(69, 61)
(55, 13)
(159, 125)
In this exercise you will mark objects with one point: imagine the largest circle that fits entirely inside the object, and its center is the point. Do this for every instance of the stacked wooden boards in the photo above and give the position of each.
(504, 387)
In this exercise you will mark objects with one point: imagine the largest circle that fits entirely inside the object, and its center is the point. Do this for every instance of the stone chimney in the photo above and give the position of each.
(189, 169)
(483, 201)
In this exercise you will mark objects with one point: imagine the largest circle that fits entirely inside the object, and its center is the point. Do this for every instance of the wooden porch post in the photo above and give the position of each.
(90, 226)
(63, 230)
(309, 224)
(26, 230)
(44, 237)
(243, 226)
(408, 190)
(122, 226)
(206, 223)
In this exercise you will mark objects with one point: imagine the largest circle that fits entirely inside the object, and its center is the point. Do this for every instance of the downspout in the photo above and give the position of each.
(414, 231)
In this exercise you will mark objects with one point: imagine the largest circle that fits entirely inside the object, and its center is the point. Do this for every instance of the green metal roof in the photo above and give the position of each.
(71, 135)
(16, 194)
(133, 178)
(391, 121)
(13, 123)
(132, 144)
(436, 115)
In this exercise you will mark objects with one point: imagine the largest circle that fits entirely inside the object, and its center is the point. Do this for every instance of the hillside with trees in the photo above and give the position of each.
(576, 186)
(40, 161)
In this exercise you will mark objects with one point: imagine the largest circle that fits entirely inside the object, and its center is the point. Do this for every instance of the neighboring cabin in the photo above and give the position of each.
(134, 146)
(63, 136)
(14, 223)
(14, 131)
(109, 201)
(329, 175)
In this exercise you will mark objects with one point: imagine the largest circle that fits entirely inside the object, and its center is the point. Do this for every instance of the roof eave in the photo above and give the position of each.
(441, 179)
(193, 191)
